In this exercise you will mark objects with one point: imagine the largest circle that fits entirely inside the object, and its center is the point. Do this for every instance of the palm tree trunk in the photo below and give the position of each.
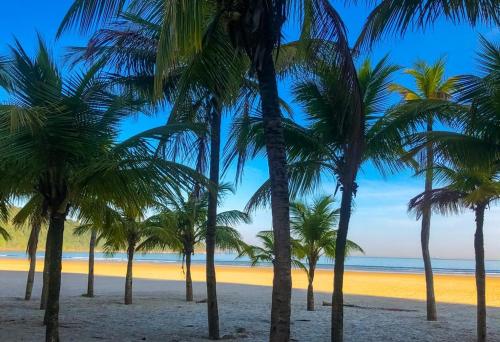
(128, 277)
(340, 246)
(480, 273)
(425, 233)
(213, 311)
(46, 271)
(32, 247)
(56, 230)
(275, 148)
(310, 289)
(90, 280)
(189, 281)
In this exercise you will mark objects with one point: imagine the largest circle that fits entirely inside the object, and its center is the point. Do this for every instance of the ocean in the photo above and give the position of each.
(358, 263)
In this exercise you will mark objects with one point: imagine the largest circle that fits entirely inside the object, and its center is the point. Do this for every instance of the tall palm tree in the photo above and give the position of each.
(330, 144)
(58, 136)
(254, 29)
(471, 188)
(313, 230)
(472, 156)
(182, 226)
(195, 94)
(431, 85)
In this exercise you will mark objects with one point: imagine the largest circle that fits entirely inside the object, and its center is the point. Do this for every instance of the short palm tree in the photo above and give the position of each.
(467, 188)
(182, 226)
(315, 236)
(431, 87)
(34, 214)
(95, 216)
(58, 136)
(125, 232)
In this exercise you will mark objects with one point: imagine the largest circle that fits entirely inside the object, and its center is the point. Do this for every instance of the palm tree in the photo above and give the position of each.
(430, 86)
(126, 231)
(200, 96)
(315, 236)
(58, 136)
(472, 157)
(265, 252)
(476, 141)
(182, 226)
(471, 188)
(96, 216)
(255, 30)
(32, 212)
(330, 144)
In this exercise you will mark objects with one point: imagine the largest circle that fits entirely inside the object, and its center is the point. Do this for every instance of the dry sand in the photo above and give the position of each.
(159, 312)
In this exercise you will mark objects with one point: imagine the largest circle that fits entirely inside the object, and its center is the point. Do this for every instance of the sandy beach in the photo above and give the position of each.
(387, 306)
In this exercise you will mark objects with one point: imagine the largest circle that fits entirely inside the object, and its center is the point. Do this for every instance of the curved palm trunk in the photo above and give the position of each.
(90, 280)
(213, 311)
(425, 233)
(352, 159)
(32, 247)
(128, 277)
(56, 230)
(480, 273)
(189, 281)
(46, 271)
(310, 288)
(275, 147)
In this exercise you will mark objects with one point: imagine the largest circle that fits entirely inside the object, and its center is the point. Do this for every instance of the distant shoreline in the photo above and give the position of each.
(355, 263)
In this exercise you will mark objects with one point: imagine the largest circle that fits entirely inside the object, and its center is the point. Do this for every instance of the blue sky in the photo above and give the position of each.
(380, 223)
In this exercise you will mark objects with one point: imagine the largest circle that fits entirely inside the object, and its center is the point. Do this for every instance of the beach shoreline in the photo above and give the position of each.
(450, 288)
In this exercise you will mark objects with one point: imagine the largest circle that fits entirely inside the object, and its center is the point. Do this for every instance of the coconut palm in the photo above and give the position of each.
(431, 86)
(471, 156)
(195, 94)
(330, 144)
(33, 213)
(315, 236)
(95, 216)
(255, 30)
(477, 140)
(264, 253)
(125, 232)
(467, 188)
(58, 136)
(182, 226)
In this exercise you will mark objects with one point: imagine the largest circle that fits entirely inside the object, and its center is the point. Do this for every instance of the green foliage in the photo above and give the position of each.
(313, 235)
(20, 235)
(181, 226)
(397, 17)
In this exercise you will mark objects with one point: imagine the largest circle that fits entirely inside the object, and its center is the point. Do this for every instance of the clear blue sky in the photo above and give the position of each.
(380, 223)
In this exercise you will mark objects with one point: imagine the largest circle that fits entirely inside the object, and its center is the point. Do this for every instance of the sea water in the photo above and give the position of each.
(359, 263)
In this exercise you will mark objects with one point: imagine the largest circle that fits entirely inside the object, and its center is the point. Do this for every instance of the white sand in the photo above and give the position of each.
(159, 313)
